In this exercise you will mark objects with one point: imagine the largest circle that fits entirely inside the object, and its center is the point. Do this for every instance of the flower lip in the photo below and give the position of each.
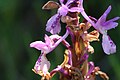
(108, 45)
(42, 65)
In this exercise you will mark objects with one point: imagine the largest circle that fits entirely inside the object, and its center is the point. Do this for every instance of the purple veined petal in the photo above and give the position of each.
(53, 22)
(76, 9)
(56, 29)
(110, 23)
(50, 22)
(39, 45)
(108, 45)
(42, 64)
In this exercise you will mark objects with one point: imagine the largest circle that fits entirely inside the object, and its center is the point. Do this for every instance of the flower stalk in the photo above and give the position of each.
(76, 65)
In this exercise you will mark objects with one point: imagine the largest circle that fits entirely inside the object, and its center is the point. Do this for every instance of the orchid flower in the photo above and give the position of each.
(42, 65)
(102, 26)
(53, 25)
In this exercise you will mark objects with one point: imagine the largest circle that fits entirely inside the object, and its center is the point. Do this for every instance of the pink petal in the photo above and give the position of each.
(38, 45)
(108, 45)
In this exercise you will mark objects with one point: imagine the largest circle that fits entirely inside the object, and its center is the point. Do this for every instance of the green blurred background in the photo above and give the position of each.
(23, 21)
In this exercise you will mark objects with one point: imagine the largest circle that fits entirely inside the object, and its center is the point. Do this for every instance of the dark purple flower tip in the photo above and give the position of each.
(108, 45)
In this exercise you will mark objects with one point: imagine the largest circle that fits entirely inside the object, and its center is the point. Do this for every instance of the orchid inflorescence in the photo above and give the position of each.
(75, 65)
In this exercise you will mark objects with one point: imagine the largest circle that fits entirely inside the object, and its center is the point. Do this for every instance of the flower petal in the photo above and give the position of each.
(38, 45)
(107, 11)
(53, 22)
(102, 19)
(108, 45)
(111, 24)
(56, 29)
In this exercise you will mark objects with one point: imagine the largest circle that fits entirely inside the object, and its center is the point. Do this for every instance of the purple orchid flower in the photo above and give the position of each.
(102, 26)
(53, 25)
(42, 65)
